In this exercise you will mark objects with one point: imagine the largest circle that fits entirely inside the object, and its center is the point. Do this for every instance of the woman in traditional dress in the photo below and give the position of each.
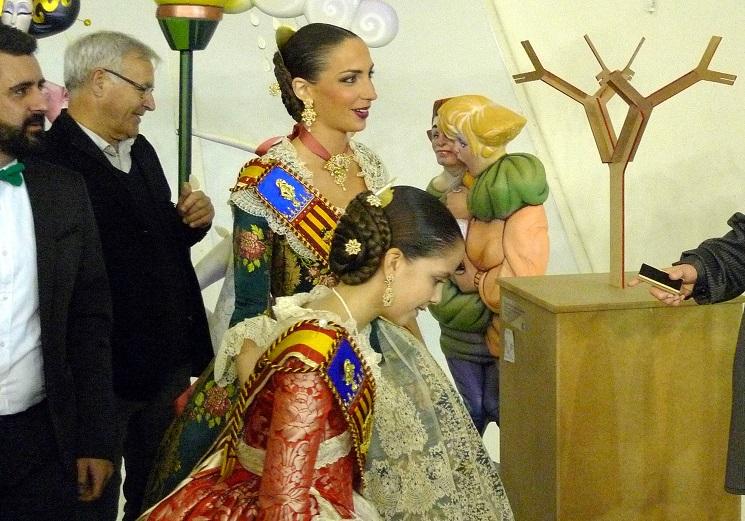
(324, 74)
(328, 428)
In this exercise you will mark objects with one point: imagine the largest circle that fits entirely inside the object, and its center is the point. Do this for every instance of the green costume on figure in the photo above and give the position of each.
(467, 319)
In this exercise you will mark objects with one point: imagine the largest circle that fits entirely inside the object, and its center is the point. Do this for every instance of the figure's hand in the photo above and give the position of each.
(465, 275)
(194, 207)
(93, 474)
(685, 272)
(457, 203)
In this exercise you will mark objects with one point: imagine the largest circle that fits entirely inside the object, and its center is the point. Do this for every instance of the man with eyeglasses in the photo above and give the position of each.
(160, 334)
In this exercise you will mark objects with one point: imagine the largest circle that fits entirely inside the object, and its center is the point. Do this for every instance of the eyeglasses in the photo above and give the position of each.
(144, 91)
(434, 134)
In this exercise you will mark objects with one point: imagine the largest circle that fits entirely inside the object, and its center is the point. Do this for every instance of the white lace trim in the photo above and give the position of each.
(259, 330)
(371, 169)
(329, 451)
(219, 319)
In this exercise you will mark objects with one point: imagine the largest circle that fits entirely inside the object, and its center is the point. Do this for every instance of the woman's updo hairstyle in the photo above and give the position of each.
(304, 55)
(414, 221)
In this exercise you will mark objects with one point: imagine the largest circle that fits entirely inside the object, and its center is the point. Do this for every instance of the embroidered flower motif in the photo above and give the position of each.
(374, 200)
(353, 247)
(250, 245)
(211, 403)
(317, 276)
(329, 280)
(314, 271)
(217, 402)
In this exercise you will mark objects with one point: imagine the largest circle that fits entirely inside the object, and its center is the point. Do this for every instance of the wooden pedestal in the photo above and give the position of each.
(615, 406)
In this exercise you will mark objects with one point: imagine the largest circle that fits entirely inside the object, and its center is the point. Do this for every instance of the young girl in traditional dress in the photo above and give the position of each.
(329, 427)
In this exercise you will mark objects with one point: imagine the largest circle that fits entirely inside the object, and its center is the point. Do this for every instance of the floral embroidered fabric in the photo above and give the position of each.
(269, 260)
(291, 419)
(267, 263)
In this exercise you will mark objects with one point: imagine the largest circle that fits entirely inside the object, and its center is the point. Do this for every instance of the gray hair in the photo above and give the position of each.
(103, 49)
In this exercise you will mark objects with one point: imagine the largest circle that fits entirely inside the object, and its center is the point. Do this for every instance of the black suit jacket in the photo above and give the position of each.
(74, 311)
(155, 327)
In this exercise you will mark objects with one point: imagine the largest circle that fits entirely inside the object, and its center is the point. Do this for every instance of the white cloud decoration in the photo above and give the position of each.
(375, 21)
(337, 12)
(281, 8)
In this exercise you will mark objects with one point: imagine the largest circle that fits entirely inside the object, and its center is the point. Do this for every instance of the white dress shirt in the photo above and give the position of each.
(119, 157)
(21, 360)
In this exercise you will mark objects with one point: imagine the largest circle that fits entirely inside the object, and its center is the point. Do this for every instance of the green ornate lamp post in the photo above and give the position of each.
(188, 26)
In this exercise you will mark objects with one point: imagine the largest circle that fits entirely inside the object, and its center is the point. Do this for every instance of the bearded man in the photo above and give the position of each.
(56, 398)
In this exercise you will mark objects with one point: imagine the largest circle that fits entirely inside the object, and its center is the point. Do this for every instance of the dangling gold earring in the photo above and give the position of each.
(308, 115)
(388, 293)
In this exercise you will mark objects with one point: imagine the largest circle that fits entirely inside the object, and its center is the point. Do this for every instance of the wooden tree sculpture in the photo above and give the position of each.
(619, 151)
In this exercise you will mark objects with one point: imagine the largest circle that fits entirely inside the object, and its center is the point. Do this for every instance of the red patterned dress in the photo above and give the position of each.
(294, 448)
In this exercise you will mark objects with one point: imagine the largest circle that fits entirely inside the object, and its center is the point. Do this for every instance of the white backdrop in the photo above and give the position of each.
(231, 96)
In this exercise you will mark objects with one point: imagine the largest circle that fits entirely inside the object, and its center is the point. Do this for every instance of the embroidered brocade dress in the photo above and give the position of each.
(299, 449)
(424, 460)
(270, 260)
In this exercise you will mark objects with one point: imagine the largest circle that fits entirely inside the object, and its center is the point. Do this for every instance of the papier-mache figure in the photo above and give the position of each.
(499, 204)
(17, 13)
(450, 180)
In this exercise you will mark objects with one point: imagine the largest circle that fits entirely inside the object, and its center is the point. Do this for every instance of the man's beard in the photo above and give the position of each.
(21, 141)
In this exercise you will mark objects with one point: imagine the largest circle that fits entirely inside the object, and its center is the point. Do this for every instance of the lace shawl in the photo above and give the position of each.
(426, 461)
(371, 169)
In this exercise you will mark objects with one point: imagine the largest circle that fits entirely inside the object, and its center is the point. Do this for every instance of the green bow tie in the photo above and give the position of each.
(12, 174)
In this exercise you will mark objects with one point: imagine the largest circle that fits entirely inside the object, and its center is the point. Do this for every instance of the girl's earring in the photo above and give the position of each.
(388, 293)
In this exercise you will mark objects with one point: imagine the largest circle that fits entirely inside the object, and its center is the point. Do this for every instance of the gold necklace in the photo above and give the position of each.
(338, 166)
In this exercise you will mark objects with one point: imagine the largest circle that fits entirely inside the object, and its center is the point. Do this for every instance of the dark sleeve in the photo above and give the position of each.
(190, 236)
(720, 264)
(186, 235)
(88, 347)
(252, 260)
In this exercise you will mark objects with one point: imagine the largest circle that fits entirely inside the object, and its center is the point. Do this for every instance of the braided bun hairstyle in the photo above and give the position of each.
(368, 225)
(292, 103)
(305, 55)
(414, 221)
